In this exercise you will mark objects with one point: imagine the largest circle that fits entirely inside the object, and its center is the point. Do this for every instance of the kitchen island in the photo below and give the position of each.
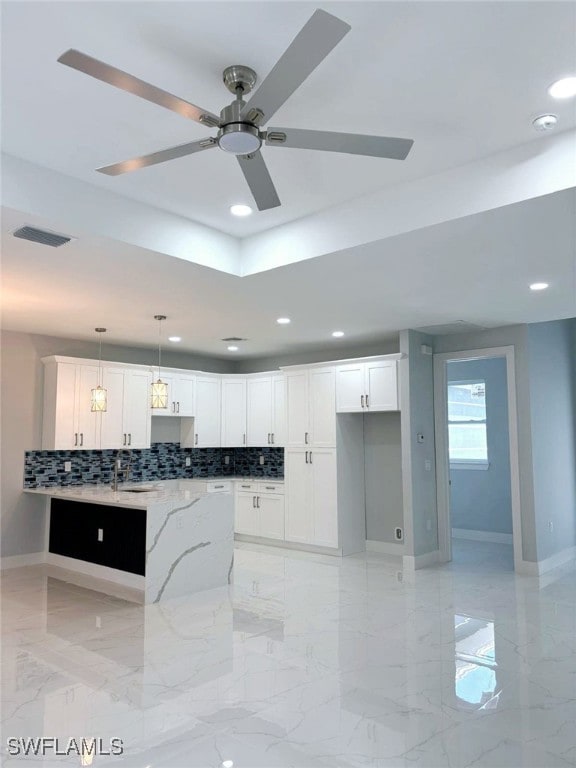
(165, 539)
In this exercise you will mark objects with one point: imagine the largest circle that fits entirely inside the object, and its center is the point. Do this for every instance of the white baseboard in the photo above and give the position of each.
(384, 547)
(415, 562)
(18, 561)
(287, 544)
(492, 536)
(540, 567)
(101, 572)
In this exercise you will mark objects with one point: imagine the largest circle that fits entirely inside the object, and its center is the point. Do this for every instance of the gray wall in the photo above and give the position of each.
(516, 336)
(383, 475)
(417, 416)
(480, 500)
(552, 351)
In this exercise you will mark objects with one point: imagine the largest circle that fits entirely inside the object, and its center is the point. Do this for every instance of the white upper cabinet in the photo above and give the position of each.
(126, 421)
(311, 408)
(233, 413)
(266, 410)
(180, 394)
(68, 422)
(207, 417)
(368, 386)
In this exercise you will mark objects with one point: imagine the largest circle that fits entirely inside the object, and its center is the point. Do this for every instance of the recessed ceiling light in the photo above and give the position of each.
(283, 320)
(174, 338)
(227, 764)
(240, 210)
(563, 89)
(545, 123)
(337, 334)
(232, 348)
(538, 286)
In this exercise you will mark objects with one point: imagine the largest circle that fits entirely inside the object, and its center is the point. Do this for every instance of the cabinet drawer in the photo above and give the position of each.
(219, 486)
(271, 487)
(246, 485)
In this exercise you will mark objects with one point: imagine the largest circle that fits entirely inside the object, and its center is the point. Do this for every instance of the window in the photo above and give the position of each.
(467, 442)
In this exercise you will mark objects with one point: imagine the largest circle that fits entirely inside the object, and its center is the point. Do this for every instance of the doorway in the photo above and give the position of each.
(477, 458)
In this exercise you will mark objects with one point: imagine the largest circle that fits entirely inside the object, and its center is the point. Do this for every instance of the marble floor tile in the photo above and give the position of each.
(306, 661)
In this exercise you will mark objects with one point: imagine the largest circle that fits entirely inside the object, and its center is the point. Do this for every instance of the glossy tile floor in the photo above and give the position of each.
(309, 661)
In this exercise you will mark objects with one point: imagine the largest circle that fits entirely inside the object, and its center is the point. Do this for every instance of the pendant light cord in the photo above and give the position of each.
(159, 346)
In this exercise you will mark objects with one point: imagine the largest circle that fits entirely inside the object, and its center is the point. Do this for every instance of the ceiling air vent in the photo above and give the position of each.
(41, 236)
(234, 338)
(459, 326)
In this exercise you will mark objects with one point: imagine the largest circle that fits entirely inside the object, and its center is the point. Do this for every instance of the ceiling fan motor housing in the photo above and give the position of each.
(236, 135)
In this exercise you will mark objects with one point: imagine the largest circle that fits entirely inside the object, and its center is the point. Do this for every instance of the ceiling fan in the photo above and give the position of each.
(239, 130)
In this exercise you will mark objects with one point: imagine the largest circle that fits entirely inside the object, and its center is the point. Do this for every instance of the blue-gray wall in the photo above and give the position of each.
(552, 351)
(480, 499)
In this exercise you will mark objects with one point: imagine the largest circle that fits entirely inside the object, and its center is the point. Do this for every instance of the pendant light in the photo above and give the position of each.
(159, 388)
(99, 399)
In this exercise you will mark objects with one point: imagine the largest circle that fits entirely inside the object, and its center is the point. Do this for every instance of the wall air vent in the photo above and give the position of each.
(41, 236)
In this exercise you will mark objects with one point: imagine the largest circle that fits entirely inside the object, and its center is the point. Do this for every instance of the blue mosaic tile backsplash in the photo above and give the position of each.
(162, 461)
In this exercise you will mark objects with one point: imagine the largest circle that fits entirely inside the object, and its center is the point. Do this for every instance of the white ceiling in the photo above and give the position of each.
(462, 79)
(475, 269)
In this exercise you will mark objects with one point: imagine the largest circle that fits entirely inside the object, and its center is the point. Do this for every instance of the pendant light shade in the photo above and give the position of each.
(99, 397)
(159, 387)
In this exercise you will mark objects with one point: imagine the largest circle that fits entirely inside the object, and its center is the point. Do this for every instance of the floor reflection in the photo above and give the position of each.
(475, 679)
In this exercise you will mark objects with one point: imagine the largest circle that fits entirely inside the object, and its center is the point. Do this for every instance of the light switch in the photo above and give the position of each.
(427, 465)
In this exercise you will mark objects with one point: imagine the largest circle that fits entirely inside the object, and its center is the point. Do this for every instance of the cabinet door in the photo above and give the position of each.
(113, 434)
(350, 389)
(271, 514)
(322, 394)
(382, 386)
(324, 500)
(88, 423)
(246, 514)
(183, 395)
(137, 413)
(298, 525)
(259, 397)
(233, 413)
(64, 399)
(279, 411)
(207, 419)
(298, 432)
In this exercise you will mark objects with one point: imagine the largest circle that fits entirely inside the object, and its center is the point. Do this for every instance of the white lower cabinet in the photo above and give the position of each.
(311, 497)
(260, 511)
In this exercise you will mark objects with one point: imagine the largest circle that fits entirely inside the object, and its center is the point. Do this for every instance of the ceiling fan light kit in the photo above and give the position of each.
(239, 124)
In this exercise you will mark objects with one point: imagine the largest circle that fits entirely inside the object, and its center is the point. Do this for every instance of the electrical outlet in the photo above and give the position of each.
(550, 526)
(427, 465)
(261, 460)
(67, 466)
(398, 534)
(188, 461)
(226, 460)
(100, 534)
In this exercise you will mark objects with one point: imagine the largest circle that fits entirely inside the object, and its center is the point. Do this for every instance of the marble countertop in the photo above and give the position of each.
(160, 492)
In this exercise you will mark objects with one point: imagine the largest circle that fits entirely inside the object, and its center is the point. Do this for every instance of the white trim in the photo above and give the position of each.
(415, 562)
(529, 568)
(473, 464)
(384, 547)
(441, 438)
(102, 572)
(493, 536)
(370, 359)
(287, 544)
(19, 561)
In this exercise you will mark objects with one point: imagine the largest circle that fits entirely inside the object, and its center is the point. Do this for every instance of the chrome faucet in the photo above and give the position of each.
(118, 467)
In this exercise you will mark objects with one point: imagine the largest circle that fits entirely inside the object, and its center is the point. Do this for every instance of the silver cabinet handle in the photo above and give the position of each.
(244, 486)
(367, 403)
(362, 400)
(306, 437)
(244, 438)
(310, 457)
(268, 438)
(178, 406)
(257, 502)
(218, 486)
(272, 438)
(124, 439)
(75, 438)
(270, 488)
(254, 501)
(306, 457)
(196, 439)
(129, 438)
(81, 438)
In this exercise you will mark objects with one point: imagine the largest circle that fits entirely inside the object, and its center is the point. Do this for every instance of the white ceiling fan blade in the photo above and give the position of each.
(126, 166)
(321, 33)
(261, 185)
(349, 143)
(126, 82)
